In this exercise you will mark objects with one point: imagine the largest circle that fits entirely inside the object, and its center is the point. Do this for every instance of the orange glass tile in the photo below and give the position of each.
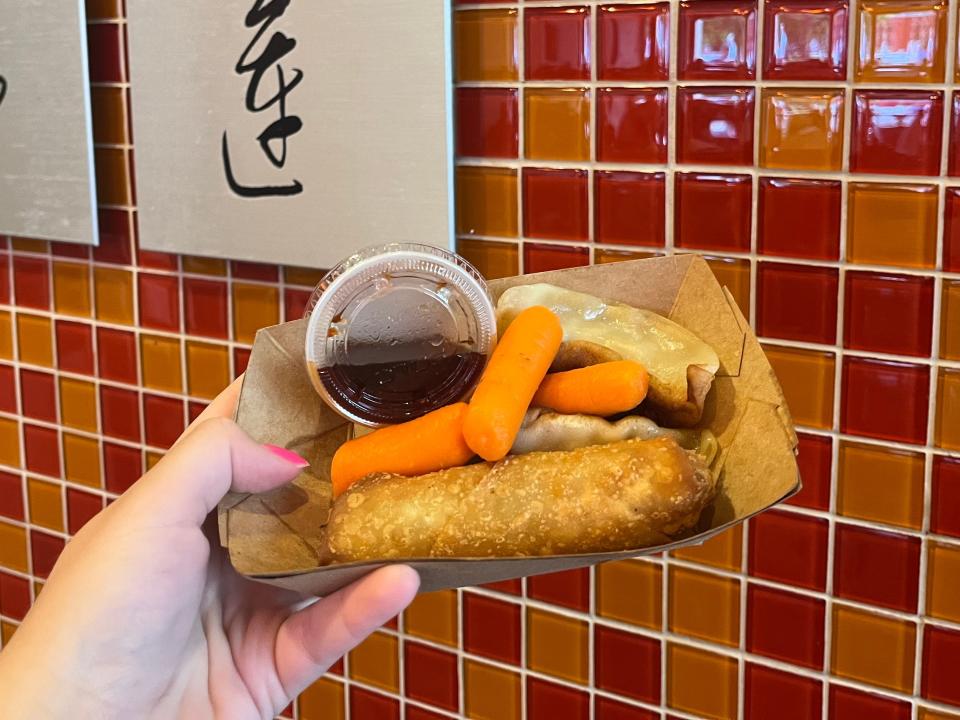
(113, 175)
(486, 201)
(433, 616)
(153, 458)
(6, 632)
(723, 551)
(802, 129)
(208, 369)
(322, 701)
(28, 245)
(203, 265)
(9, 442)
(557, 123)
(376, 661)
(490, 693)
(109, 115)
(601, 256)
(880, 484)
(308, 277)
(6, 336)
(254, 307)
(557, 645)
(947, 434)
(35, 340)
(704, 606)
(160, 363)
(113, 292)
(943, 581)
(950, 320)
(630, 591)
(928, 714)
(13, 547)
(901, 41)
(485, 45)
(701, 682)
(493, 260)
(78, 404)
(892, 225)
(734, 274)
(81, 460)
(71, 288)
(46, 504)
(104, 9)
(807, 379)
(873, 649)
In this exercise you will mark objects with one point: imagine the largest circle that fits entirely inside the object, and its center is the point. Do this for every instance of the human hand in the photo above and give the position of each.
(143, 615)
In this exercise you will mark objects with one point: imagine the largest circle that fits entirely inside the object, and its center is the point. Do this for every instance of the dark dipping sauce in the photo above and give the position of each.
(386, 393)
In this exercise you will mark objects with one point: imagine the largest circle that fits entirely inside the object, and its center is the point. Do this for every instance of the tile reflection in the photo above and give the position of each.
(901, 40)
(717, 40)
(805, 40)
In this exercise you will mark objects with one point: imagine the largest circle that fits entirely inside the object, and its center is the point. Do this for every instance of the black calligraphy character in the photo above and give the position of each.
(3, 88)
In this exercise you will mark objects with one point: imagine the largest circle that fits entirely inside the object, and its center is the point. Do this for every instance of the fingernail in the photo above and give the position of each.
(289, 455)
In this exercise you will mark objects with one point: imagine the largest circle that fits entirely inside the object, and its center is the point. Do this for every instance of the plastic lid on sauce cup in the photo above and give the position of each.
(396, 331)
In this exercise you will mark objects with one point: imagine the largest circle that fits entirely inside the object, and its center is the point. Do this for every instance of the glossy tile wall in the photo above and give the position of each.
(807, 147)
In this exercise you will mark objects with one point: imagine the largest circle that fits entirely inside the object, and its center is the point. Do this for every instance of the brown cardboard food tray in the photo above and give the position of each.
(276, 537)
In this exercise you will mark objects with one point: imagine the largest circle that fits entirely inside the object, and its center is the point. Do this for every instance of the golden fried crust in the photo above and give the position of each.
(625, 495)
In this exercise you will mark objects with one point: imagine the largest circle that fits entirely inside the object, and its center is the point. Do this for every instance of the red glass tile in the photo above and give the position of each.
(194, 409)
(627, 664)
(797, 302)
(241, 356)
(945, 508)
(889, 313)
(849, 704)
(412, 712)
(117, 355)
(392, 623)
(557, 43)
(4, 277)
(897, 132)
(555, 204)
(814, 457)
(74, 347)
(770, 693)
(510, 587)
(122, 466)
(11, 496)
(953, 156)
(491, 628)
(717, 40)
(44, 549)
(789, 548)
(115, 241)
(951, 230)
(713, 211)
(805, 39)
(159, 301)
(487, 122)
(941, 658)
(14, 596)
(715, 125)
(70, 250)
(8, 390)
(81, 507)
(162, 420)
(785, 626)
(42, 450)
(549, 701)
(570, 588)
(337, 667)
(365, 705)
(430, 675)
(885, 400)
(295, 302)
(606, 709)
(632, 125)
(156, 260)
(541, 258)
(879, 568)
(38, 393)
(630, 208)
(205, 308)
(105, 54)
(634, 42)
(253, 271)
(31, 282)
(120, 413)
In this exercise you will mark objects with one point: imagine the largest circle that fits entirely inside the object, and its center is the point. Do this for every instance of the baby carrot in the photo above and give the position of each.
(604, 389)
(513, 375)
(429, 443)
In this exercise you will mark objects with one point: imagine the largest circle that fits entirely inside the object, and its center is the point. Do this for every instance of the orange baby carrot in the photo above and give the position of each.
(604, 389)
(432, 442)
(513, 375)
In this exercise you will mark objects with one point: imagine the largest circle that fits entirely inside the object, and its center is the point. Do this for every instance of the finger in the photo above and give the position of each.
(223, 405)
(311, 640)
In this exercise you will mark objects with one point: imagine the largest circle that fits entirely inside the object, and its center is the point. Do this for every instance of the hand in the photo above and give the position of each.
(143, 615)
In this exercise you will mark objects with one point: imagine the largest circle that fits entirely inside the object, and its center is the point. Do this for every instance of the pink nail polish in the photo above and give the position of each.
(289, 455)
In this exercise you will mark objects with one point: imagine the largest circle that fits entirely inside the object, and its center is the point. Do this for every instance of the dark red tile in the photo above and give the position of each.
(715, 125)
(627, 664)
(295, 302)
(412, 712)
(430, 675)
(885, 400)
(253, 271)
(44, 550)
(888, 313)
(116, 244)
(785, 626)
(849, 704)
(555, 204)
(814, 457)
(14, 596)
(491, 628)
(712, 211)
(945, 508)
(11, 496)
(392, 623)
(241, 356)
(156, 260)
(549, 701)
(632, 125)
(8, 390)
(74, 347)
(770, 693)
(105, 53)
(879, 568)
(81, 508)
(31, 282)
(117, 355)
(70, 250)
(630, 208)
(42, 449)
(511, 587)
(570, 588)
(122, 466)
(951, 230)
(797, 302)
(337, 667)
(805, 39)
(633, 42)
(205, 308)
(789, 548)
(541, 258)
(120, 413)
(606, 709)
(365, 705)
(194, 409)
(287, 711)
(941, 658)
(162, 420)
(717, 40)
(159, 301)
(557, 43)
(38, 393)
(799, 218)
(487, 122)
(4, 278)
(896, 132)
